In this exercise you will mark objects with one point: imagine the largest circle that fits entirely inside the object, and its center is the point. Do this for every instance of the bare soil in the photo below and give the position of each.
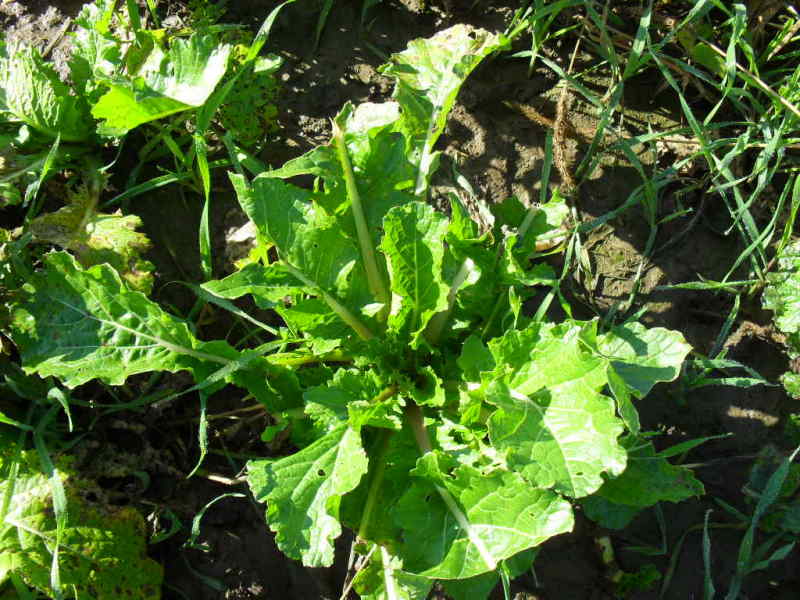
(499, 149)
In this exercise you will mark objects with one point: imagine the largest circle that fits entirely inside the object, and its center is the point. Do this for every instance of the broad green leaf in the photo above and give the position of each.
(383, 578)
(558, 430)
(384, 176)
(306, 238)
(168, 82)
(480, 586)
(475, 358)
(303, 492)
(649, 479)
(81, 325)
(643, 357)
(314, 318)
(413, 247)
(268, 285)
(429, 75)
(400, 457)
(34, 94)
(102, 551)
(608, 514)
(97, 238)
(496, 515)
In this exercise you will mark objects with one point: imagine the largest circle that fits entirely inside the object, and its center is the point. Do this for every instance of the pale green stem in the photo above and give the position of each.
(416, 421)
(436, 325)
(341, 311)
(374, 279)
(526, 222)
(388, 575)
(288, 359)
(377, 480)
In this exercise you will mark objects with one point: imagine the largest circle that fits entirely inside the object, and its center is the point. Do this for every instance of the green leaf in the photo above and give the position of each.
(351, 396)
(306, 238)
(384, 176)
(314, 318)
(303, 492)
(429, 75)
(268, 285)
(96, 55)
(34, 94)
(102, 549)
(97, 238)
(413, 239)
(480, 586)
(791, 381)
(475, 358)
(649, 479)
(497, 515)
(643, 357)
(168, 82)
(400, 458)
(384, 579)
(608, 514)
(81, 325)
(557, 428)
(782, 295)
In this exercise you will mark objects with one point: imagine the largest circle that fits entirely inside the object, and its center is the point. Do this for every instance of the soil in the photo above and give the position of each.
(499, 149)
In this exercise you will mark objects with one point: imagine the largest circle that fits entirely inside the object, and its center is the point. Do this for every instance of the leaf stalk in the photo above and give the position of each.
(377, 480)
(416, 421)
(374, 279)
(341, 311)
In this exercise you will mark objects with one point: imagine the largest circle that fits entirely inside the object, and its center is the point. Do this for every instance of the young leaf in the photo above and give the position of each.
(496, 516)
(303, 492)
(558, 430)
(413, 247)
(429, 75)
